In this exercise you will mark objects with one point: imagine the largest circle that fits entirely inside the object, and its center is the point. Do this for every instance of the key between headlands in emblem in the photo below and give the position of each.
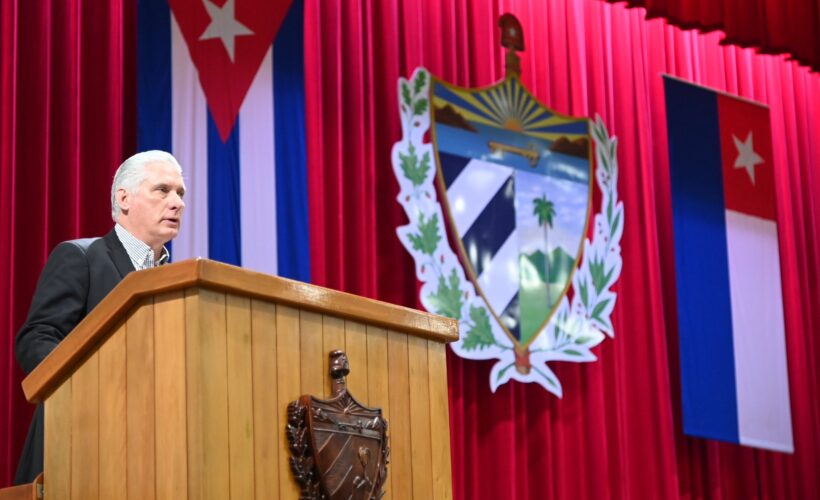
(531, 154)
(338, 446)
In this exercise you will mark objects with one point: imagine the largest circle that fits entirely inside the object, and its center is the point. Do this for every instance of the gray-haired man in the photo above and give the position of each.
(147, 206)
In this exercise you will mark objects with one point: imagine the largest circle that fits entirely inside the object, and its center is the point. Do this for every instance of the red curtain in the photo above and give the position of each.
(617, 431)
(67, 93)
(66, 119)
(774, 26)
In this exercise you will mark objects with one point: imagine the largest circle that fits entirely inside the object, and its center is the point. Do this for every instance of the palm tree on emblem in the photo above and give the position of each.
(544, 209)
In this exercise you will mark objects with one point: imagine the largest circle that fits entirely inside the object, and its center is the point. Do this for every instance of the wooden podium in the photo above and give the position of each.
(177, 386)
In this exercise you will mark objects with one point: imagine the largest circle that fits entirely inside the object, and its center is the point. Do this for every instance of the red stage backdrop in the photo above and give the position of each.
(67, 120)
(66, 88)
(778, 26)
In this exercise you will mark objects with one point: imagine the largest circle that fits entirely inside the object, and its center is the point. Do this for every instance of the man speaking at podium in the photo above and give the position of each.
(147, 206)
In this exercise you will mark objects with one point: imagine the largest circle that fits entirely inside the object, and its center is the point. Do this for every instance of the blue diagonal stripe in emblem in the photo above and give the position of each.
(471, 192)
(482, 207)
(492, 227)
(511, 317)
(451, 167)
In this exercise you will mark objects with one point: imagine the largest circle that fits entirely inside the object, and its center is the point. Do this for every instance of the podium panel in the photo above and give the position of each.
(179, 387)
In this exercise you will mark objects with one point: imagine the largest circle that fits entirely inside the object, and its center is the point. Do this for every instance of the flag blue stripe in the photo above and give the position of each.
(291, 151)
(704, 310)
(224, 224)
(154, 77)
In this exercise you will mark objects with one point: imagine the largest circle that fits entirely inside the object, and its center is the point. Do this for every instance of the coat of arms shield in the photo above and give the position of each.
(339, 446)
(499, 190)
(515, 178)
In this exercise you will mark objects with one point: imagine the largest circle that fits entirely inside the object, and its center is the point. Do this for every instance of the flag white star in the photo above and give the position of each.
(224, 26)
(746, 156)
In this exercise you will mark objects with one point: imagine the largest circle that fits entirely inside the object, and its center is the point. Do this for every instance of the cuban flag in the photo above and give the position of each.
(221, 86)
(734, 374)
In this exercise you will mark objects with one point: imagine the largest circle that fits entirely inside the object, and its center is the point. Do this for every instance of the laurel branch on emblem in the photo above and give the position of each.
(301, 461)
(578, 324)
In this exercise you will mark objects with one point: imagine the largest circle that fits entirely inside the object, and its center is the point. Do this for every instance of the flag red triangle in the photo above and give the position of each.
(210, 28)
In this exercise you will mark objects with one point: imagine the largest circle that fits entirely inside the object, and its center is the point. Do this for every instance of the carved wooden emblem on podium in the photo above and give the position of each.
(338, 446)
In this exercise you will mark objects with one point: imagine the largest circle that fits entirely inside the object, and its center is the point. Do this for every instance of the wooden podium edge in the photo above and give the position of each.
(28, 491)
(215, 275)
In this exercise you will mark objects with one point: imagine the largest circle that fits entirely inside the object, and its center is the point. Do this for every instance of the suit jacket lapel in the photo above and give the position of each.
(118, 254)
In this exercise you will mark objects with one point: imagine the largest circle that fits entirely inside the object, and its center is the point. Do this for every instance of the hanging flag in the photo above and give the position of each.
(221, 86)
(734, 375)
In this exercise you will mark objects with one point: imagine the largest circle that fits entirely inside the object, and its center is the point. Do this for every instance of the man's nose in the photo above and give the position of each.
(177, 202)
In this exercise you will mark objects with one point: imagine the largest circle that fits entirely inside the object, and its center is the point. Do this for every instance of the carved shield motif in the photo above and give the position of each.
(339, 446)
(498, 190)
(516, 184)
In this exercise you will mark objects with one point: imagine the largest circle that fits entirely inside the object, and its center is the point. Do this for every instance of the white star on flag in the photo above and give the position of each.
(746, 156)
(224, 26)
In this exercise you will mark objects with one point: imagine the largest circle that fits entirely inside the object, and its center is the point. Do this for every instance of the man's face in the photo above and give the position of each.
(154, 212)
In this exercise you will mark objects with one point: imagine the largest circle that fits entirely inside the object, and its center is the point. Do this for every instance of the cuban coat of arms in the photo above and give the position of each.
(505, 244)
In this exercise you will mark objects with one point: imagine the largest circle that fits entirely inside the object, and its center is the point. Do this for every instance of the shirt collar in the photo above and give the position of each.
(138, 251)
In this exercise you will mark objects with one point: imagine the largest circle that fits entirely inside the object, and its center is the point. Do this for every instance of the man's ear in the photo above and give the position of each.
(123, 199)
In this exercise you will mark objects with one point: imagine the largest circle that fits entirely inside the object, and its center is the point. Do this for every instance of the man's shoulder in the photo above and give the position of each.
(79, 246)
(84, 246)
(82, 243)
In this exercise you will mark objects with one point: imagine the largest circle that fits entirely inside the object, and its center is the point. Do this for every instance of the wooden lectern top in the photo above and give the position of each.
(223, 277)
(177, 385)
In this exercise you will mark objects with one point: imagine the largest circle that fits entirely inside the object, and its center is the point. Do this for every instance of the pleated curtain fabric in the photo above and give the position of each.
(67, 120)
(67, 79)
(774, 26)
(617, 432)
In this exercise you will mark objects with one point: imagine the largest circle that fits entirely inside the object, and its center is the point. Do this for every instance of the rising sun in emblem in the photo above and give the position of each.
(511, 107)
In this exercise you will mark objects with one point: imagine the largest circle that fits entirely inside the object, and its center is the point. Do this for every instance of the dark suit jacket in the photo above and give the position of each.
(77, 276)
